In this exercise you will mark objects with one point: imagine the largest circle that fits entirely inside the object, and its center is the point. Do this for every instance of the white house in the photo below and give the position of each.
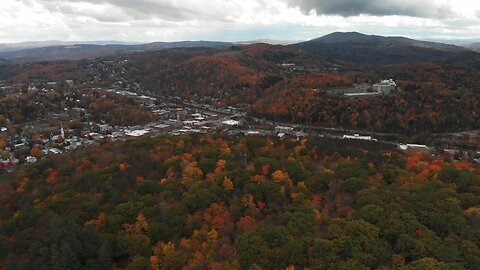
(31, 159)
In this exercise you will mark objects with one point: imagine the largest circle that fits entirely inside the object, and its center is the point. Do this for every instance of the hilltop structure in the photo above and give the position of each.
(386, 87)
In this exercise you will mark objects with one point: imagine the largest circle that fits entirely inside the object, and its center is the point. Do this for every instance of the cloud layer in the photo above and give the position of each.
(233, 20)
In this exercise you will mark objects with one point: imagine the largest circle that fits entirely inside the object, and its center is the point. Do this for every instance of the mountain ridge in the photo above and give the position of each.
(376, 50)
(356, 38)
(88, 51)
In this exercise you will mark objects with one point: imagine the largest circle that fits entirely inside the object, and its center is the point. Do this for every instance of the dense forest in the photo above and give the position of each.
(44, 71)
(206, 202)
(417, 108)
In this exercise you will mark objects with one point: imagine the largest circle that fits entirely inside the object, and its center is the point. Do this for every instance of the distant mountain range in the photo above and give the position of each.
(8, 47)
(268, 41)
(70, 51)
(351, 46)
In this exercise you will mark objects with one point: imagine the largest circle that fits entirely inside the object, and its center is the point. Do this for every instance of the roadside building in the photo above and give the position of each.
(358, 137)
(414, 147)
(285, 130)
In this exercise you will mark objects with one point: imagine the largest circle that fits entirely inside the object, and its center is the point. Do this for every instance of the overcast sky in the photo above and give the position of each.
(233, 20)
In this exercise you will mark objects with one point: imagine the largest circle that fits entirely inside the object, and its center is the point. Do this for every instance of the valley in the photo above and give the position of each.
(348, 151)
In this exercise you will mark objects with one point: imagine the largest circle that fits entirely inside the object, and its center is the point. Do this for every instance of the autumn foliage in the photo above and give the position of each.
(309, 204)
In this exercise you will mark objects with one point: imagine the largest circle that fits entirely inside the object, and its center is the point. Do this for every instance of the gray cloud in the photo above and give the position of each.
(127, 10)
(121, 10)
(230, 20)
(347, 8)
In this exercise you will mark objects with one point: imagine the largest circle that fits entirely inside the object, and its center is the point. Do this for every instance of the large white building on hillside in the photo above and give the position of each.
(385, 87)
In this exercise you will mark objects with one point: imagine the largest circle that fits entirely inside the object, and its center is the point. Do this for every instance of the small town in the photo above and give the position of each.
(59, 118)
(78, 122)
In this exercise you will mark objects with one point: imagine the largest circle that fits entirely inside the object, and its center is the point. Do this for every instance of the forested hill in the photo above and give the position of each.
(285, 84)
(361, 48)
(355, 38)
(205, 202)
